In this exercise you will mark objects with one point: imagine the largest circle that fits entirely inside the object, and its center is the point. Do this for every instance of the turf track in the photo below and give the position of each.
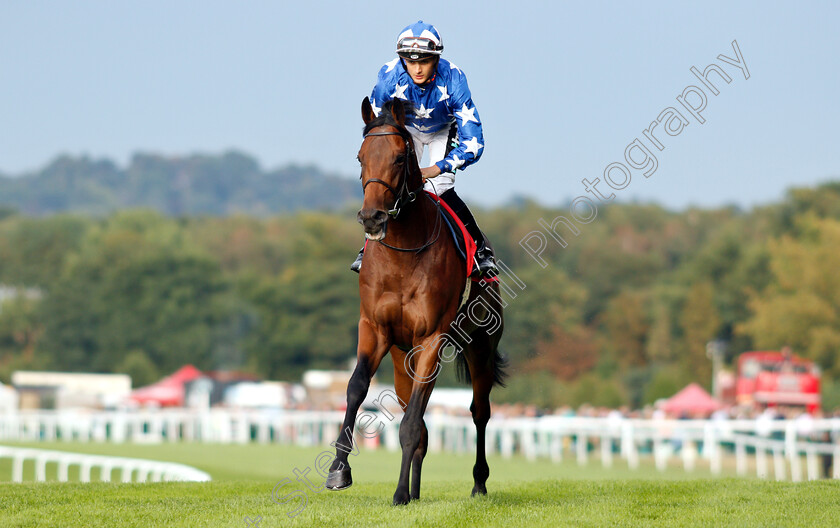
(522, 493)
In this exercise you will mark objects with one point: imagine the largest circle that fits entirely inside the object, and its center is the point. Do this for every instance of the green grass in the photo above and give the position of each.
(521, 493)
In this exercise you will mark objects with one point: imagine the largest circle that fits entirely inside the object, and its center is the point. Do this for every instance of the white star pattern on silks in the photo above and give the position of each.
(400, 92)
(423, 112)
(376, 109)
(422, 128)
(467, 114)
(391, 64)
(473, 145)
(443, 95)
(453, 67)
(456, 162)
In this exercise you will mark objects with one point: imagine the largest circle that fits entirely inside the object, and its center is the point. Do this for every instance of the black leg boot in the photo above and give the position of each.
(483, 254)
(357, 264)
(485, 259)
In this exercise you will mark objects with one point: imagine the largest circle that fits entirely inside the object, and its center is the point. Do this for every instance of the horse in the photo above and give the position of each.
(411, 286)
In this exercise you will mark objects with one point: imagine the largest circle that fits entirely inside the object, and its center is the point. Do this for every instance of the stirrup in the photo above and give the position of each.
(487, 268)
(485, 264)
(357, 264)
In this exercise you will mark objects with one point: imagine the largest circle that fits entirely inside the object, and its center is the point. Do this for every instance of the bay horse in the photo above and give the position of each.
(411, 287)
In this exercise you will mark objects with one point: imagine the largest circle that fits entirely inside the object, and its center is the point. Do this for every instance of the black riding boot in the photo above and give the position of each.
(483, 254)
(357, 264)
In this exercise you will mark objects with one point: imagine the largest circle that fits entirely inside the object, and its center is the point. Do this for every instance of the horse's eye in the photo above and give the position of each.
(400, 160)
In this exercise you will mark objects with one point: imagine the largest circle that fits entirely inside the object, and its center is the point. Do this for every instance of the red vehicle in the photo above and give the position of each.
(770, 379)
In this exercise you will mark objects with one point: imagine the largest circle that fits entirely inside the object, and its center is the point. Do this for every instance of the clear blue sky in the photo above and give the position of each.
(562, 88)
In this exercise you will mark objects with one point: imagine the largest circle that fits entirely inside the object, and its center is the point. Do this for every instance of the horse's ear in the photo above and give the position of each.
(398, 111)
(367, 111)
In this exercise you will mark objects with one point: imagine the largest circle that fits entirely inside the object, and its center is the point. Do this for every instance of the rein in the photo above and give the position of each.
(404, 196)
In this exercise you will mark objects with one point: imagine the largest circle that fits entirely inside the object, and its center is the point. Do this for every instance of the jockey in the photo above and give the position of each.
(445, 121)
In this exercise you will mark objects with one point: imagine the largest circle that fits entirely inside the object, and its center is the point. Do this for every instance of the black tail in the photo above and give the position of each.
(500, 363)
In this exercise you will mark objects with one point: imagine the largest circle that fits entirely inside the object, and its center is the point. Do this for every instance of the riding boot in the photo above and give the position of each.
(357, 264)
(483, 254)
(485, 259)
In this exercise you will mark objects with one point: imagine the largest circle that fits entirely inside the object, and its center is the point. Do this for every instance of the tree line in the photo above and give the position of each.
(621, 315)
(178, 186)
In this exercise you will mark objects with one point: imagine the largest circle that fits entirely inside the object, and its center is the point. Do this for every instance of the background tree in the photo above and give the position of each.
(700, 323)
(801, 306)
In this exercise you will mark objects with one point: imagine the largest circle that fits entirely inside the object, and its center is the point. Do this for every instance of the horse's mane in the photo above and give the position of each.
(387, 118)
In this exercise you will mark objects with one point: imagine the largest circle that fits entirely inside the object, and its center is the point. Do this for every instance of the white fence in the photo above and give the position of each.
(130, 469)
(797, 449)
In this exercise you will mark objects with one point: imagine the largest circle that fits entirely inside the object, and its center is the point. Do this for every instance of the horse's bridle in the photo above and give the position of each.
(404, 196)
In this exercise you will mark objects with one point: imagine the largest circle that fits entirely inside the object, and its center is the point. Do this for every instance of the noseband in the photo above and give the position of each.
(404, 196)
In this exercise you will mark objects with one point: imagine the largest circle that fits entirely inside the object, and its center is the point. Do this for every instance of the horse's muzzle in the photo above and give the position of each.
(374, 221)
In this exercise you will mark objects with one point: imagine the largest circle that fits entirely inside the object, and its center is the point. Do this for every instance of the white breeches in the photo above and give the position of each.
(436, 143)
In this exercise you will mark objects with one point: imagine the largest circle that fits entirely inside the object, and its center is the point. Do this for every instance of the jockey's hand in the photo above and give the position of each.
(430, 172)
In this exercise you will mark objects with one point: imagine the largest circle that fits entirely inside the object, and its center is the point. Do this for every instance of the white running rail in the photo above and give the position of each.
(794, 449)
(129, 468)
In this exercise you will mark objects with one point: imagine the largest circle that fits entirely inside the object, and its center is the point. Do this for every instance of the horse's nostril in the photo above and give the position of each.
(372, 218)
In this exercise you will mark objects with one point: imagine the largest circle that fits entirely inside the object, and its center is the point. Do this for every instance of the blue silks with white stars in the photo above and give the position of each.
(437, 104)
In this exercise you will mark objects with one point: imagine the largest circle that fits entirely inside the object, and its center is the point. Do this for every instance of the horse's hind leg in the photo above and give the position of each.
(481, 359)
(480, 408)
(370, 353)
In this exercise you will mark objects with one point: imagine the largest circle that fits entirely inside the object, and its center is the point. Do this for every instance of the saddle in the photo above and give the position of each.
(463, 241)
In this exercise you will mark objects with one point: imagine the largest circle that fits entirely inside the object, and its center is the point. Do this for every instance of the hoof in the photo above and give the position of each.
(478, 491)
(339, 480)
(401, 497)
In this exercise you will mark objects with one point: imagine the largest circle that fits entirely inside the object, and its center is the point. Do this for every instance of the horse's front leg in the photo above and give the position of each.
(422, 368)
(372, 348)
(403, 383)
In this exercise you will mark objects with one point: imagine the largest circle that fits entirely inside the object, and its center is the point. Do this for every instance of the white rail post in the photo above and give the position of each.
(689, 454)
(761, 460)
(507, 442)
(582, 448)
(41, 468)
(84, 470)
(263, 433)
(813, 463)
(740, 457)
(17, 468)
(528, 444)
(660, 453)
(606, 450)
(792, 452)
(556, 446)
(172, 428)
(105, 472)
(778, 464)
(628, 444)
(49, 428)
(714, 449)
(835, 465)
(143, 472)
(63, 469)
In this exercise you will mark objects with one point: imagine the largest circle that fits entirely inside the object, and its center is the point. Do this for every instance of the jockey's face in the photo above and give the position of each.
(421, 70)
